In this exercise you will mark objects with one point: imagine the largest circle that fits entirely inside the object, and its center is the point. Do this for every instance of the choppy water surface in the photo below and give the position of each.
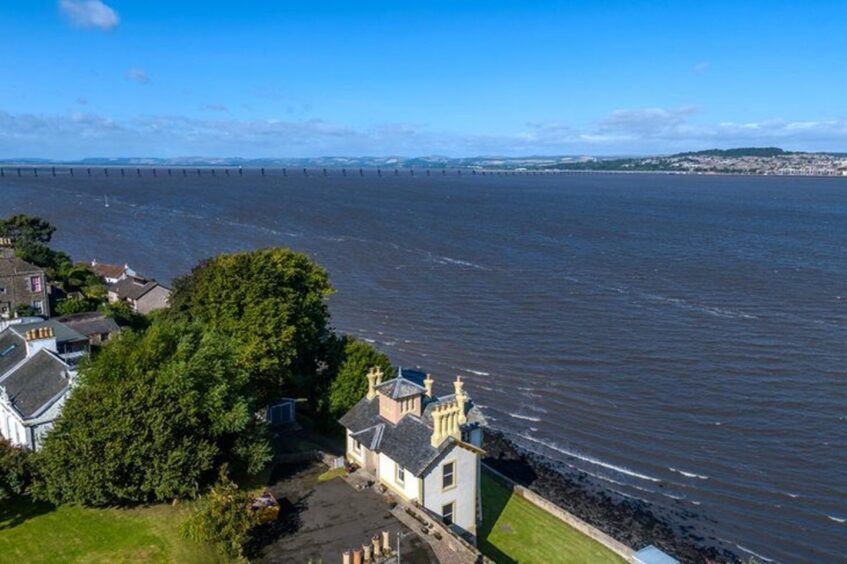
(681, 339)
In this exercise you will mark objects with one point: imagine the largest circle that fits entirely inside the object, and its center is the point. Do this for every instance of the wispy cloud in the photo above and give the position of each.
(138, 75)
(215, 108)
(90, 14)
(633, 131)
(702, 67)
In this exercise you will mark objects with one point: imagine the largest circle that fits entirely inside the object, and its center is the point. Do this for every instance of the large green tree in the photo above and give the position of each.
(31, 236)
(273, 302)
(350, 384)
(151, 419)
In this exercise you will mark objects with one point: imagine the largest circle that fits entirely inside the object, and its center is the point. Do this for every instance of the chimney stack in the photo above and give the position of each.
(445, 423)
(460, 399)
(374, 379)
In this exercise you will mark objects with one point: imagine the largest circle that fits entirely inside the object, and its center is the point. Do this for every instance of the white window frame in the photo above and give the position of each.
(400, 476)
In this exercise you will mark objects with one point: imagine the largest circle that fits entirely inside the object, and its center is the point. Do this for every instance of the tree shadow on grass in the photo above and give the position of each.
(495, 497)
(18, 510)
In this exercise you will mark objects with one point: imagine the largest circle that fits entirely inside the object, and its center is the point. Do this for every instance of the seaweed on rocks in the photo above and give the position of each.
(630, 521)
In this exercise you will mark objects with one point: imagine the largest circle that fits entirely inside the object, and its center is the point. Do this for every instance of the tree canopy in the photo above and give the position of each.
(151, 419)
(272, 302)
(350, 384)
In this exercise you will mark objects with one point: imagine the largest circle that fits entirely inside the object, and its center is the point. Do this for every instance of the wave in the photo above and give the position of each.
(458, 262)
(709, 310)
(527, 417)
(590, 460)
(757, 555)
(477, 372)
(688, 474)
(837, 519)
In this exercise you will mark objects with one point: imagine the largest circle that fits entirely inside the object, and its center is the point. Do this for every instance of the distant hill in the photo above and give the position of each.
(740, 152)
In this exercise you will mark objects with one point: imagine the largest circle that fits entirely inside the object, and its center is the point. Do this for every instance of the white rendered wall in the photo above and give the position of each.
(463, 494)
(409, 489)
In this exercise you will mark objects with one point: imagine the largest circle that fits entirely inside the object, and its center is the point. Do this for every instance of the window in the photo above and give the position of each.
(448, 478)
(401, 475)
(37, 306)
(357, 446)
(447, 513)
(35, 283)
(2, 290)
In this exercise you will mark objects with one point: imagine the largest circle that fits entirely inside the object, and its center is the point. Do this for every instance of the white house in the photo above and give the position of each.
(425, 449)
(34, 383)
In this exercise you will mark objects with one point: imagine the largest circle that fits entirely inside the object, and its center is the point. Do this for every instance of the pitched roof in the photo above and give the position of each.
(400, 387)
(106, 270)
(12, 350)
(63, 333)
(11, 265)
(408, 441)
(89, 323)
(133, 287)
(36, 383)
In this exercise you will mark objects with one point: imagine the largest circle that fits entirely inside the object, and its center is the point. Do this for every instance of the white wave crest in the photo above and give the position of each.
(477, 372)
(590, 460)
(837, 519)
(527, 417)
(689, 474)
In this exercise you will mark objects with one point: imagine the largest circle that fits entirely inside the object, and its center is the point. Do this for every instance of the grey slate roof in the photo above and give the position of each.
(63, 333)
(400, 387)
(12, 350)
(11, 265)
(133, 287)
(36, 383)
(407, 442)
(91, 323)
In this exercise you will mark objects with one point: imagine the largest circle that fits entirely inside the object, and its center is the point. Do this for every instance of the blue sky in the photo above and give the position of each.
(262, 79)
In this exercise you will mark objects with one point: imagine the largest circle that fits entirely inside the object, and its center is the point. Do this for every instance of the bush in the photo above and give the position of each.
(223, 518)
(15, 474)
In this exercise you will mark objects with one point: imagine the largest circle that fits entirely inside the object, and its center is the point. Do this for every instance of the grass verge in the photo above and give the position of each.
(516, 531)
(31, 532)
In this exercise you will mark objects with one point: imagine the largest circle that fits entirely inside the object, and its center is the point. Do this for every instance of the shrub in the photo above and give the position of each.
(222, 517)
(14, 470)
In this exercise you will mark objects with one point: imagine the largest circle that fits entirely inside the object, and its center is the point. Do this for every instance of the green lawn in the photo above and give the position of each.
(514, 530)
(41, 533)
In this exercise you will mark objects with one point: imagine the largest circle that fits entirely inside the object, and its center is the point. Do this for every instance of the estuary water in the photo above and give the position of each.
(681, 339)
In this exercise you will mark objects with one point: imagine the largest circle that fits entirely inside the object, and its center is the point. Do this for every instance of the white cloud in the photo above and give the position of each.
(644, 131)
(215, 108)
(138, 75)
(702, 67)
(90, 14)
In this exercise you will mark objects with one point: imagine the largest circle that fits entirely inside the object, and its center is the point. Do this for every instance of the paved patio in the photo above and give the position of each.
(319, 520)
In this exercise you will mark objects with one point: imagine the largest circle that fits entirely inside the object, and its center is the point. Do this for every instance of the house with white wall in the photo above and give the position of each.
(425, 449)
(34, 383)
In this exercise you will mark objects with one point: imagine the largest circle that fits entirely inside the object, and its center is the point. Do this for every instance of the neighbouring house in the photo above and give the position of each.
(97, 327)
(21, 284)
(110, 273)
(34, 383)
(424, 448)
(142, 294)
(71, 345)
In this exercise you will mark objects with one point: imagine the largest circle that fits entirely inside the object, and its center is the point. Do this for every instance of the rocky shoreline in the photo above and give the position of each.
(632, 522)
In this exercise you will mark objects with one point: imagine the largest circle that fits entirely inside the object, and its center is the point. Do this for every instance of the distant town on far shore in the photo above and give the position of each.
(748, 161)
